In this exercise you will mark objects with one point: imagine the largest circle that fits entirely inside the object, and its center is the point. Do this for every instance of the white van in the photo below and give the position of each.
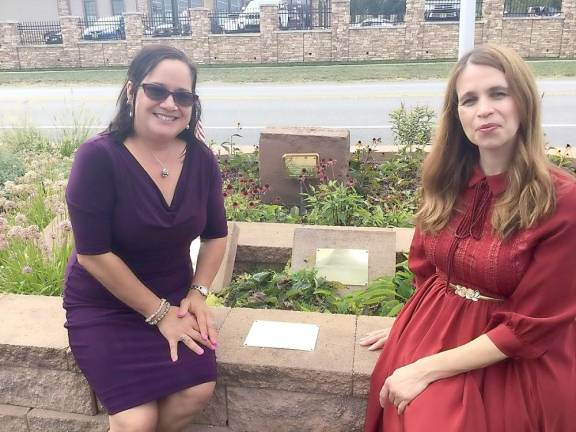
(249, 18)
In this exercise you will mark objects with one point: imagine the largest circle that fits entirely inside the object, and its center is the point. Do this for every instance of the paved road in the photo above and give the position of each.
(363, 108)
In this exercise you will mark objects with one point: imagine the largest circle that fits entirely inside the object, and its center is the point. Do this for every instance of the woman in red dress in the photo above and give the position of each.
(488, 341)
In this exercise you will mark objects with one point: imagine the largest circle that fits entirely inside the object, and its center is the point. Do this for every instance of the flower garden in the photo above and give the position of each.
(376, 193)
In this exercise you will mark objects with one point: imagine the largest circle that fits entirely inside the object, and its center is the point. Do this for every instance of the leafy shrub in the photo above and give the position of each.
(10, 166)
(306, 291)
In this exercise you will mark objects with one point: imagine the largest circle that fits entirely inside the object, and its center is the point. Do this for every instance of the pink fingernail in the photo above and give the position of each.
(200, 352)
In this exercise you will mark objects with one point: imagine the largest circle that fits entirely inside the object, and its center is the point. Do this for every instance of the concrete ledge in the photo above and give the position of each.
(258, 390)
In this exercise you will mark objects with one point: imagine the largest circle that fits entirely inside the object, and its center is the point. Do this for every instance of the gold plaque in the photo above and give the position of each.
(297, 164)
(347, 266)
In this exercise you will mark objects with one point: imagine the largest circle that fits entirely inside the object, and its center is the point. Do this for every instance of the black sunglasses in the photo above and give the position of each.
(159, 93)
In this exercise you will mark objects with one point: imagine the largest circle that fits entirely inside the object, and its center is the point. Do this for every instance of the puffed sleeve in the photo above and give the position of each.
(90, 198)
(216, 225)
(544, 303)
(417, 261)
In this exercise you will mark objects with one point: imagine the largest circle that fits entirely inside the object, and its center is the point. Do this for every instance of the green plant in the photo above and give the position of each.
(334, 203)
(562, 158)
(25, 138)
(11, 165)
(412, 129)
(306, 291)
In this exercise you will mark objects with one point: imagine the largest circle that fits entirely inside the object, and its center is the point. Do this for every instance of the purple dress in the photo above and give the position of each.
(115, 206)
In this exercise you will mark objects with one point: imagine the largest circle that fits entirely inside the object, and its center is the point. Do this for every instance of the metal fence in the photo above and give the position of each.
(302, 18)
(234, 22)
(525, 8)
(108, 28)
(446, 10)
(39, 33)
(166, 26)
(384, 20)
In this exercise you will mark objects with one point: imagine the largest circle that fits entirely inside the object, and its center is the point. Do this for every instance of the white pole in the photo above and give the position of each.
(467, 26)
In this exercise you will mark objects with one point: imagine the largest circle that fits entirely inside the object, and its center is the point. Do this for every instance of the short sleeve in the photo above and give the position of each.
(543, 305)
(90, 198)
(216, 224)
(418, 263)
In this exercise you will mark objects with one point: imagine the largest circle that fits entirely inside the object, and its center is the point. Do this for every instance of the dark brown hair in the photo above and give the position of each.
(144, 63)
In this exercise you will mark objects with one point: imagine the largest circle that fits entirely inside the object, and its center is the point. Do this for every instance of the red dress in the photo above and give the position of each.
(534, 271)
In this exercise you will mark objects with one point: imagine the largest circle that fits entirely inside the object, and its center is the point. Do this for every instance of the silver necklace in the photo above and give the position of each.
(164, 173)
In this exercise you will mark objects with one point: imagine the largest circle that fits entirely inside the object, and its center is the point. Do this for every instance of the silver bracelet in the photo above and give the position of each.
(162, 314)
(156, 312)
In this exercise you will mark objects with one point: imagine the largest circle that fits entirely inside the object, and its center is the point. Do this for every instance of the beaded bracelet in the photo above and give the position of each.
(156, 312)
(162, 314)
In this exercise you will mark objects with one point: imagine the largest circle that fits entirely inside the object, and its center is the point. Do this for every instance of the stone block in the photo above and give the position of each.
(13, 418)
(275, 142)
(283, 369)
(260, 410)
(365, 360)
(42, 342)
(380, 243)
(40, 420)
(224, 275)
(44, 388)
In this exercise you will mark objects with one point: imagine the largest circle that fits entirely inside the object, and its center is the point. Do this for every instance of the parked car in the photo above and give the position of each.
(105, 28)
(437, 10)
(164, 27)
(543, 11)
(52, 37)
(374, 22)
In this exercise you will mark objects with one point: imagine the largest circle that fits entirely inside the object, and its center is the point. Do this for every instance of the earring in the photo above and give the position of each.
(131, 112)
(187, 126)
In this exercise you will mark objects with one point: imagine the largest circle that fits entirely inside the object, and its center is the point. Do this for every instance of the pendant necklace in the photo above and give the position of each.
(164, 173)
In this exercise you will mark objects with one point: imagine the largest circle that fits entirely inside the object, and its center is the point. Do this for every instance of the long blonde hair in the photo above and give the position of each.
(529, 196)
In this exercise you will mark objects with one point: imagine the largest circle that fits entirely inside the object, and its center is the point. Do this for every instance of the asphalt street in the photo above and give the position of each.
(363, 108)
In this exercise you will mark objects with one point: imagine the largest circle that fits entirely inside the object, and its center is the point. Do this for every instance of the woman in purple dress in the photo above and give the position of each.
(138, 195)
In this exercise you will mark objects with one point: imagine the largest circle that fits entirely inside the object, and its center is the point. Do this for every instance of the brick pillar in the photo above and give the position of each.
(63, 7)
(340, 30)
(493, 17)
(200, 23)
(71, 35)
(9, 40)
(414, 19)
(134, 33)
(568, 46)
(142, 7)
(268, 35)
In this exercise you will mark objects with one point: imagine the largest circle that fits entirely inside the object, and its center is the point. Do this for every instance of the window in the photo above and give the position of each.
(117, 7)
(90, 12)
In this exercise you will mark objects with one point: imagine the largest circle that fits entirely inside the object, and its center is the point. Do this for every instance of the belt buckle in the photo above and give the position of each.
(467, 293)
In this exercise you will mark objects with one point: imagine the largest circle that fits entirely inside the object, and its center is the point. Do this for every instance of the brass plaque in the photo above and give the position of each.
(297, 164)
(347, 266)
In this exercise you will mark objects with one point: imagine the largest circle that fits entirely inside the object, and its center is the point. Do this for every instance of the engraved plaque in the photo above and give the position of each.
(347, 266)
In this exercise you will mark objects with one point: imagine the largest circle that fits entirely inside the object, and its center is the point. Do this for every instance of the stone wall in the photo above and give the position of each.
(553, 37)
(258, 389)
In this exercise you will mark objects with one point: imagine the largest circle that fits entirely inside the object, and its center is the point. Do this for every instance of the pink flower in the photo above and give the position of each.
(20, 219)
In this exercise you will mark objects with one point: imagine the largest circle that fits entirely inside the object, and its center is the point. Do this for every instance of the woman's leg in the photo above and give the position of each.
(177, 410)
(143, 418)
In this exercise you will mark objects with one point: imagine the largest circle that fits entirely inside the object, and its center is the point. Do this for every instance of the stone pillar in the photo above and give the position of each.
(568, 46)
(142, 7)
(71, 35)
(63, 7)
(268, 35)
(340, 30)
(71, 31)
(493, 17)
(200, 23)
(134, 33)
(9, 40)
(414, 39)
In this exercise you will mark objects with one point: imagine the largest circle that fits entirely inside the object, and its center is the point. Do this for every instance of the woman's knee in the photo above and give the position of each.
(198, 396)
(139, 419)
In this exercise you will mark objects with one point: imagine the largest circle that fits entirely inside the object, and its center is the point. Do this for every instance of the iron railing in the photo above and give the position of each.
(366, 20)
(446, 10)
(302, 18)
(39, 32)
(166, 26)
(526, 8)
(108, 28)
(234, 22)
